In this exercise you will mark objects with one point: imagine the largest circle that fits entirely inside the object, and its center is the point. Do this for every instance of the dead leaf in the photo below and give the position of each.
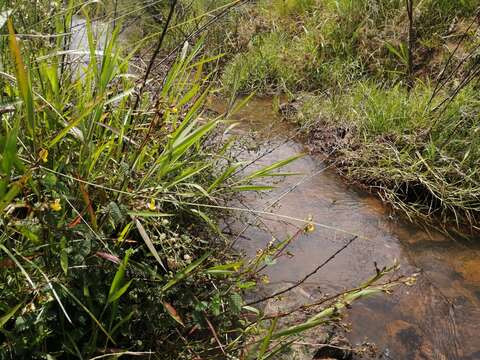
(173, 312)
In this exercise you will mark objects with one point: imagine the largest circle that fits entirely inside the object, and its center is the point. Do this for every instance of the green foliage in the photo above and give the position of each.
(382, 111)
(276, 63)
(292, 7)
(107, 184)
(259, 69)
(104, 204)
(356, 53)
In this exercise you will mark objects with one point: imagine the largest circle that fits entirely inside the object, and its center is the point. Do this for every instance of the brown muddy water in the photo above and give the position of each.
(437, 318)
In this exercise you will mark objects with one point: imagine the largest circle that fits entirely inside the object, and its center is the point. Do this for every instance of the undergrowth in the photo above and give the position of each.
(384, 139)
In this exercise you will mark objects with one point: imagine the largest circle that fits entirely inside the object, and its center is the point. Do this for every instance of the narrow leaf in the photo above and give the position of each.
(88, 312)
(173, 313)
(184, 273)
(148, 242)
(10, 313)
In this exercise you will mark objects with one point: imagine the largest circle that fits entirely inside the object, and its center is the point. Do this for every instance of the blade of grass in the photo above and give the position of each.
(10, 313)
(22, 77)
(14, 259)
(148, 242)
(266, 341)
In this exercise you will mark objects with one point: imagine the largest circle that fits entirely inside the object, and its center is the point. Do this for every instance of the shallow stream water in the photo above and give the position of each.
(437, 318)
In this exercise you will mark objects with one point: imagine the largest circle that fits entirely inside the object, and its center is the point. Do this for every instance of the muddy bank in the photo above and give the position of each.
(374, 166)
(438, 318)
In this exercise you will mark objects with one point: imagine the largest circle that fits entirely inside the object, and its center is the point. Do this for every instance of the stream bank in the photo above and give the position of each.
(407, 133)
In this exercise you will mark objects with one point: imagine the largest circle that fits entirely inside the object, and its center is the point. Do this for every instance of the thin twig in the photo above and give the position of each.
(298, 283)
(212, 329)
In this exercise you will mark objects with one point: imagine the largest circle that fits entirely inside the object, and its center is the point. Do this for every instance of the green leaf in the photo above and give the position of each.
(224, 269)
(269, 261)
(118, 293)
(148, 214)
(118, 288)
(267, 170)
(226, 174)
(10, 313)
(9, 152)
(242, 103)
(87, 310)
(30, 234)
(399, 54)
(10, 195)
(64, 261)
(251, 309)
(267, 339)
(148, 242)
(123, 321)
(23, 81)
(14, 259)
(236, 302)
(207, 219)
(246, 285)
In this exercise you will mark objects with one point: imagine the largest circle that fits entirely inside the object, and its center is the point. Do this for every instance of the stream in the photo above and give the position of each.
(437, 318)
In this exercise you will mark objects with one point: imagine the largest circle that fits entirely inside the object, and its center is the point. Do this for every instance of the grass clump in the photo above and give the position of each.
(389, 140)
(292, 7)
(262, 68)
(91, 187)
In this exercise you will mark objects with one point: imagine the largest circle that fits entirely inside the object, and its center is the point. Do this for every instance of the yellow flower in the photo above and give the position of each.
(174, 110)
(43, 155)
(151, 204)
(55, 205)
(310, 228)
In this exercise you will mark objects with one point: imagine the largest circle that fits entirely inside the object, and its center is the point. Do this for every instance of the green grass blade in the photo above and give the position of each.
(92, 316)
(118, 288)
(148, 242)
(10, 313)
(23, 80)
(267, 170)
(14, 259)
(266, 341)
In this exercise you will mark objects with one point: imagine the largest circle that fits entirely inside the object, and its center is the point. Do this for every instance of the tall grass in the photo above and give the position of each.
(93, 190)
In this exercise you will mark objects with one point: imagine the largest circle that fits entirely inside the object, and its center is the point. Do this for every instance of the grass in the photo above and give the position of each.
(386, 141)
(346, 62)
(110, 190)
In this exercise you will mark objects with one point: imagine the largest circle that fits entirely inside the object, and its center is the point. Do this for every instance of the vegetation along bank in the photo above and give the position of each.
(388, 90)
